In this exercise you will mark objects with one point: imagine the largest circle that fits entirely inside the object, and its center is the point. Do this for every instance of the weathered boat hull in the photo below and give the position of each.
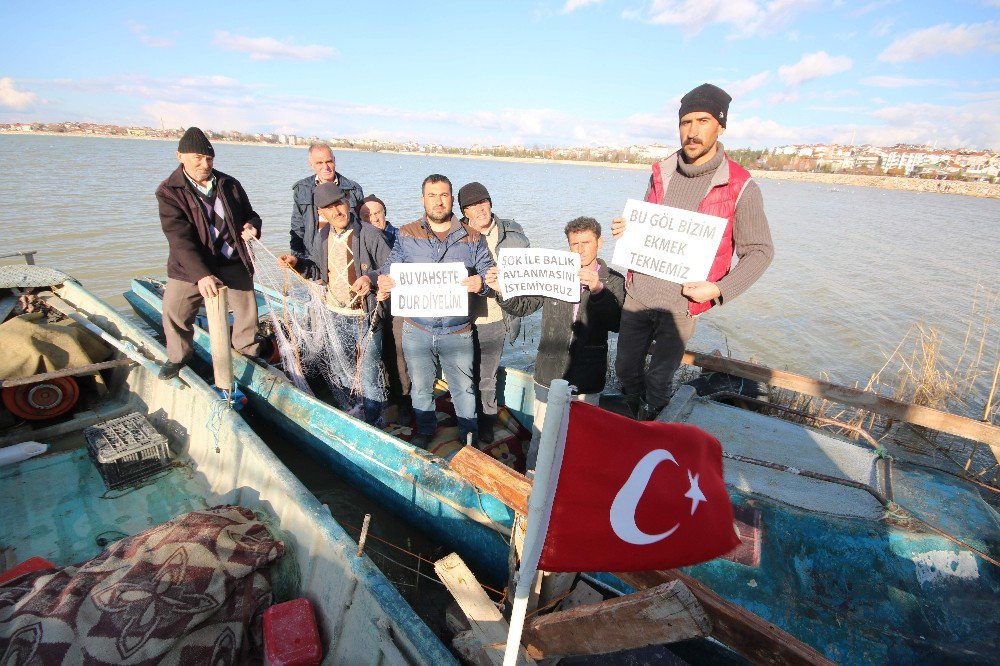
(872, 587)
(409, 481)
(362, 617)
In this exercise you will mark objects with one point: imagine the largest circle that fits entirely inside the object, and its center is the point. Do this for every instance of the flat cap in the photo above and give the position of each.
(327, 194)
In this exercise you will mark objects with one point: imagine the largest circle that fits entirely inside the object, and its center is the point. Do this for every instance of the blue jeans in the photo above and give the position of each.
(455, 354)
(368, 367)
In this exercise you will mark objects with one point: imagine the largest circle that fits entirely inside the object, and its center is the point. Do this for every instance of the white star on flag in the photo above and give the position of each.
(694, 492)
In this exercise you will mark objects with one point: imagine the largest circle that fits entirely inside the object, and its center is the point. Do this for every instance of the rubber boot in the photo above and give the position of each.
(404, 410)
(633, 402)
(647, 412)
(487, 422)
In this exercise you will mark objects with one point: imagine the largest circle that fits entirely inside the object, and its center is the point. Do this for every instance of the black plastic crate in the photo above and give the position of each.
(127, 450)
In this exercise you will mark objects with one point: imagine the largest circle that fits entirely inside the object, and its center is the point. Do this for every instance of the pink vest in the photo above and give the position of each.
(720, 202)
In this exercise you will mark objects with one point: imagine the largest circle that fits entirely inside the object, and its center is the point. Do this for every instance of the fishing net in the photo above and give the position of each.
(314, 340)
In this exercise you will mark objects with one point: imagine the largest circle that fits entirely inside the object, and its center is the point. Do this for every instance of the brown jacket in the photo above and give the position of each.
(187, 228)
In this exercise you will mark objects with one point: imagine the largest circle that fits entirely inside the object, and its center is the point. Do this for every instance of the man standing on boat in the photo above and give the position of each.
(205, 215)
(492, 326)
(345, 256)
(574, 344)
(305, 218)
(439, 237)
(698, 177)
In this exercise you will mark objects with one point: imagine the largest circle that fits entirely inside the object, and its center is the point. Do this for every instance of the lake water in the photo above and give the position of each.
(854, 269)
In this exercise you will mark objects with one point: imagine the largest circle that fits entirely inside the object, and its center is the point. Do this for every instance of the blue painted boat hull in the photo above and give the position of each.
(414, 484)
(57, 505)
(859, 590)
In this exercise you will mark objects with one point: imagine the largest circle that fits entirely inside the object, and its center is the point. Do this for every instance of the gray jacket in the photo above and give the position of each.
(304, 215)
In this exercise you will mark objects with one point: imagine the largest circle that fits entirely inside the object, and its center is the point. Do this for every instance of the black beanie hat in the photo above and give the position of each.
(367, 199)
(472, 194)
(708, 98)
(195, 141)
(327, 194)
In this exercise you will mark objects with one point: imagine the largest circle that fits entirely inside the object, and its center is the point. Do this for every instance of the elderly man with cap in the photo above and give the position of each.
(492, 325)
(698, 177)
(205, 215)
(346, 255)
(372, 210)
(305, 217)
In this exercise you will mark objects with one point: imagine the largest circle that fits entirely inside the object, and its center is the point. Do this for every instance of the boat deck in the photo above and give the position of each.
(57, 506)
(776, 441)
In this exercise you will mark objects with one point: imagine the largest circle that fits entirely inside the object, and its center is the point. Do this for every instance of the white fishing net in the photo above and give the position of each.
(315, 341)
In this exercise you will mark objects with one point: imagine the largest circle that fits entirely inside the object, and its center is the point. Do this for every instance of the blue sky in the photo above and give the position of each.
(563, 72)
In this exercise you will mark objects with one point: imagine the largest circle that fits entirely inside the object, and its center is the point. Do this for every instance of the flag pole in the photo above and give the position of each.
(550, 445)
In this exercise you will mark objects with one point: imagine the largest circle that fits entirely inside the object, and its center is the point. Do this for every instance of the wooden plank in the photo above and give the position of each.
(935, 419)
(491, 475)
(217, 312)
(742, 631)
(88, 369)
(663, 614)
(468, 647)
(487, 622)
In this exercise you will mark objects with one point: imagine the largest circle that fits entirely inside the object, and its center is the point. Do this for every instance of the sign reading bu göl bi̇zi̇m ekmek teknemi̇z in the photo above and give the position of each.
(539, 272)
(429, 290)
(670, 243)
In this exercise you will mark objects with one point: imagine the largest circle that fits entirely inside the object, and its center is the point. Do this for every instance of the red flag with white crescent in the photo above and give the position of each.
(633, 496)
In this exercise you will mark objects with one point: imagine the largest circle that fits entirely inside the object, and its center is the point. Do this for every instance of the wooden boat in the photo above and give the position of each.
(405, 479)
(56, 506)
(843, 548)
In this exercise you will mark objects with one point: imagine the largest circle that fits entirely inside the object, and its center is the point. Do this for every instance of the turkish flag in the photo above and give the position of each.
(633, 496)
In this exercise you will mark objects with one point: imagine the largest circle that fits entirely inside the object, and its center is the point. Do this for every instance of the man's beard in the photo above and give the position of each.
(438, 217)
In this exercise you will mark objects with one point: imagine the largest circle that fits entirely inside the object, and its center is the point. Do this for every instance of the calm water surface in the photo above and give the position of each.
(855, 268)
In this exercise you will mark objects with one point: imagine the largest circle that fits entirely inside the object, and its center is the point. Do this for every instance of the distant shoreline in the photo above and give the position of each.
(982, 190)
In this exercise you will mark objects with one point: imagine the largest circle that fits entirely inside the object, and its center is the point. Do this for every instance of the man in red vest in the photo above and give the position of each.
(698, 177)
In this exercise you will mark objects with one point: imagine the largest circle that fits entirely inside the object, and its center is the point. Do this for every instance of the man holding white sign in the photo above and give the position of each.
(703, 200)
(437, 331)
(491, 326)
(574, 344)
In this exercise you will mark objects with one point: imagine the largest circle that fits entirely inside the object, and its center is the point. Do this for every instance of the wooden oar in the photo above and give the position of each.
(124, 347)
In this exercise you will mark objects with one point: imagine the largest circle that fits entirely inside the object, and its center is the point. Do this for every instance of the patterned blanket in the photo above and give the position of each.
(190, 591)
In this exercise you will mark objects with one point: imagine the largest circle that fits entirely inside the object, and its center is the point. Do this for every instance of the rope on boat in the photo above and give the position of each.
(214, 421)
(501, 593)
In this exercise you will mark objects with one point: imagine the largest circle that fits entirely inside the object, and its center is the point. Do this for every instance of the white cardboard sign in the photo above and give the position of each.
(429, 290)
(670, 243)
(539, 272)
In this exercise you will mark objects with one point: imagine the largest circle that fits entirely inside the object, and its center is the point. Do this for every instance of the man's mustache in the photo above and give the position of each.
(690, 141)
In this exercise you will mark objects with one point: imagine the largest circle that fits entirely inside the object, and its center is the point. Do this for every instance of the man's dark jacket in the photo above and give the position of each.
(575, 349)
(370, 252)
(305, 216)
(187, 228)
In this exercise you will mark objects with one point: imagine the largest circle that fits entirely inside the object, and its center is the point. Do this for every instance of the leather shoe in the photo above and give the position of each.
(169, 370)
